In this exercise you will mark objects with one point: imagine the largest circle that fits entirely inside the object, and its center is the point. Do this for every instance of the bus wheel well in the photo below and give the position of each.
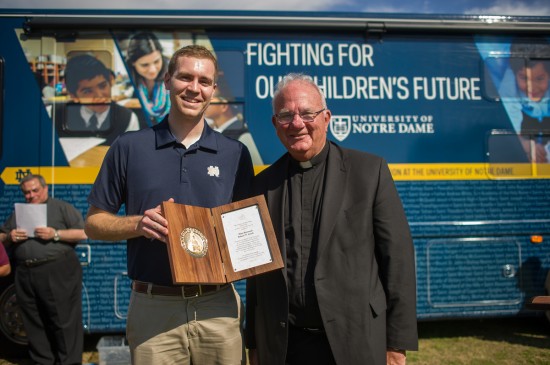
(12, 332)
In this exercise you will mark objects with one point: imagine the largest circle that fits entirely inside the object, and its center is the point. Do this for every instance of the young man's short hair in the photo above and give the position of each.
(84, 67)
(195, 51)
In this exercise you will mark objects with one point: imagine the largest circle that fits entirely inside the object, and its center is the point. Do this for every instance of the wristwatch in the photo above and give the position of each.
(56, 235)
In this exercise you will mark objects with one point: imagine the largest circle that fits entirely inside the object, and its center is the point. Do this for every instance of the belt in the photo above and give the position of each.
(185, 291)
(42, 261)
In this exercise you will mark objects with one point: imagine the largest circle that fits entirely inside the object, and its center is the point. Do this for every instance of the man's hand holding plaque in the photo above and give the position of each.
(222, 244)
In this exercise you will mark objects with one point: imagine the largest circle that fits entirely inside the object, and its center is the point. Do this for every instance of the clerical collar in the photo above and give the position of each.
(316, 160)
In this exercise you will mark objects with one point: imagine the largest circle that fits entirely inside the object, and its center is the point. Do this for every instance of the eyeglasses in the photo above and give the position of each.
(306, 117)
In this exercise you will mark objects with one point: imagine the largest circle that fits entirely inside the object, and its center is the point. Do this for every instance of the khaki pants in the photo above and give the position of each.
(201, 330)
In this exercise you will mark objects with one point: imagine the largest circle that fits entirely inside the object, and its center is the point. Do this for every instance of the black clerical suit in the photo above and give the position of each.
(364, 275)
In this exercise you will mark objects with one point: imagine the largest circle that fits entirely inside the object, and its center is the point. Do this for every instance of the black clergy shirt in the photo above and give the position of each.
(302, 218)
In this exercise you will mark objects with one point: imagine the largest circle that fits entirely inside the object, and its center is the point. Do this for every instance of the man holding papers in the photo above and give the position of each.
(48, 278)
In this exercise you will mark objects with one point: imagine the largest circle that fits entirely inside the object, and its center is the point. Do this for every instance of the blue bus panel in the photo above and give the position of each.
(447, 109)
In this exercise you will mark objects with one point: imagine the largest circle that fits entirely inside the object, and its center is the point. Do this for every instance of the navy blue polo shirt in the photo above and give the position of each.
(144, 168)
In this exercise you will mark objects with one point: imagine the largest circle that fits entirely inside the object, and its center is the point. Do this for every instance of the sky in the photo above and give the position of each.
(478, 7)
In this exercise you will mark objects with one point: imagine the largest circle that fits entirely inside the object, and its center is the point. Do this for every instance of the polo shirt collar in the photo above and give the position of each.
(208, 138)
(164, 137)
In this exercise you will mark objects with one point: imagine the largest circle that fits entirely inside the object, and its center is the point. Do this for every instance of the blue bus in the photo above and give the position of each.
(439, 97)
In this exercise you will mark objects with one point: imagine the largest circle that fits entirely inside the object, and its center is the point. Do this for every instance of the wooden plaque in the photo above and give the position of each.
(223, 244)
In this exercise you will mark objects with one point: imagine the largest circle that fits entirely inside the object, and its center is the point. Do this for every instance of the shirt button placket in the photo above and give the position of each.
(183, 172)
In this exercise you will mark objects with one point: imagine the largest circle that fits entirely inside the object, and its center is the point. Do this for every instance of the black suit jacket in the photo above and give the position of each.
(365, 274)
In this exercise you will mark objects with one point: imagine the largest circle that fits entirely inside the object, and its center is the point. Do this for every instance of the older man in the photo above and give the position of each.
(347, 293)
(48, 277)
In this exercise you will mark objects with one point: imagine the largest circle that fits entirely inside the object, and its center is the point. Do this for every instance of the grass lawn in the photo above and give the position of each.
(505, 341)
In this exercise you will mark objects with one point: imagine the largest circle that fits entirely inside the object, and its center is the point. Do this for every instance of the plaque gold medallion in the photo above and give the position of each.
(194, 242)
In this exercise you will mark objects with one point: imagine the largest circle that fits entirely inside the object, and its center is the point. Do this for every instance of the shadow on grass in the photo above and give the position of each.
(528, 331)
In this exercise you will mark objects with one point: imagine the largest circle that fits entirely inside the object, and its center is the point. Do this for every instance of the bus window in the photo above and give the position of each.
(226, 111)
(88, 79)
(231, 78)
(521, 81)
(493, 71)
(227, 118)
(511, 155)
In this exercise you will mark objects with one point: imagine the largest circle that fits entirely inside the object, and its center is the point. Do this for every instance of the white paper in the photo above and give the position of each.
(246, 240)
(30, 216)
(74, 146)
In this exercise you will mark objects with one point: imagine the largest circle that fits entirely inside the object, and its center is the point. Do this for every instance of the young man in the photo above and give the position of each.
(174, 160)
(347, 295)
(48, 278)
(91, 111)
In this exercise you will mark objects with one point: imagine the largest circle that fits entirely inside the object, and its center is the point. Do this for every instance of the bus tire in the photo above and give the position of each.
(13, 338)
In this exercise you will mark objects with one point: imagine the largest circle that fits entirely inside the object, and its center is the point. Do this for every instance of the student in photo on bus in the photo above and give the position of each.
(526, 90)
(347, 294)
(92, 112)
(147, 67)
(183, 160)
(48, 91)
(227, 120)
